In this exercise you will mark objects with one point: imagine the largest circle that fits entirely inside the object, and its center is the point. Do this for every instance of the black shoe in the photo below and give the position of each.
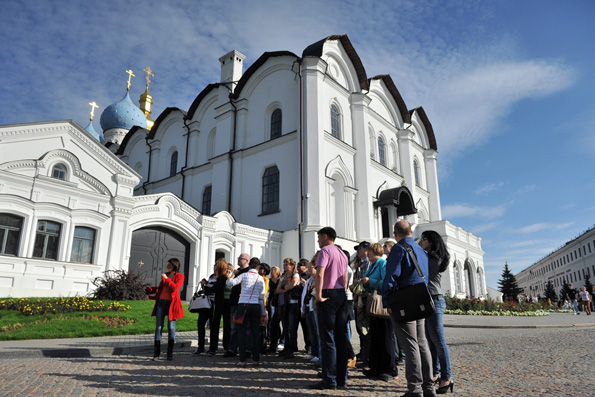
(229, 354)
(200, 350)
(170, 349)
(387, 377)
(212, 353)
(400, 362)
(322, 385)
(248, 354)
(342, 387)
(319, 374)
(444, 389)
(369, 373)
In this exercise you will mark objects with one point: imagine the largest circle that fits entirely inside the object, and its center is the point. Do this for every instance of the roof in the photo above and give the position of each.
(392, 88)
(426, 122)
(255, 66)
(315, 50)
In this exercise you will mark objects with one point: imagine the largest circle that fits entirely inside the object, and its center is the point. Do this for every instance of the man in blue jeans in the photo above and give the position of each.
(331, 301)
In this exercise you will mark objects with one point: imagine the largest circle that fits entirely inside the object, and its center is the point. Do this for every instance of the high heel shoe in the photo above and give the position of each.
(444, 389)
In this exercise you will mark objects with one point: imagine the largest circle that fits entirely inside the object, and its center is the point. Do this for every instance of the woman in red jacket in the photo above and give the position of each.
(167, 303)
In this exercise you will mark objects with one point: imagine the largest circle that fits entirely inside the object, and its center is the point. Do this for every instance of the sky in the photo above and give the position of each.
(508, 87)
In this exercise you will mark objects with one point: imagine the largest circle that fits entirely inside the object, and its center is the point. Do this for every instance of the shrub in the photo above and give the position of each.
(119, 285)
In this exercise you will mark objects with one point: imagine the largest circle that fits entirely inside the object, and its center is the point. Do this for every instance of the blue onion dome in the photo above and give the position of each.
(94, 133)
(122, 114)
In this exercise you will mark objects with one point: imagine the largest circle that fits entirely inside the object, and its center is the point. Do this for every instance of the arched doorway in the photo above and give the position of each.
(150, 249)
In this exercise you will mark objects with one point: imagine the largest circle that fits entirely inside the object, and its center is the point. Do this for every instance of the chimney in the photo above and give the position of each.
(231, 67)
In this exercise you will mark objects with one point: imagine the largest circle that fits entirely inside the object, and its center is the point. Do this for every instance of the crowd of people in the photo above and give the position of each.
(263, 307)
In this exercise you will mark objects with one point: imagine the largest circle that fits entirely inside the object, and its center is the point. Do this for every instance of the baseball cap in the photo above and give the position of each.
(363, 244)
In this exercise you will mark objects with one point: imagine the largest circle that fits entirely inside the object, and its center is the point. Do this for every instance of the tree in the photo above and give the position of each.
(550, 292)
(508, 284)
(588, 283)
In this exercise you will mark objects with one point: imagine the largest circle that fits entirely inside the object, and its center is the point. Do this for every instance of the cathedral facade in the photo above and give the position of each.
(264, 158)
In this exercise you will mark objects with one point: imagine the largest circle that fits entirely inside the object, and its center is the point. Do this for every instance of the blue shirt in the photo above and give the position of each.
(400, 271)
(376, 273)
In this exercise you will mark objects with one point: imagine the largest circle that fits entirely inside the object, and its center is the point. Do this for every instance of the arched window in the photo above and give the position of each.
(416, 173)
(47, 240)
(458, 283)
(59, 171)
(381, 150)
(211, 144)
(335, 122)
(372, 144)
(395, 157)
(276, 122)
(83, 243)
(206, 200)
(173, 164)
(10, 233)
(270, 190)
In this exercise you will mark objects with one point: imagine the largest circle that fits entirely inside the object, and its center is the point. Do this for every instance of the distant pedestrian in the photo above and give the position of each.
(586, 300)
(331, 300)
(167, 303)
(571, 295)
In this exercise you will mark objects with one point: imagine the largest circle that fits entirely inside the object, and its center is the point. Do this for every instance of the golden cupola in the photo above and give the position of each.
(146, 100)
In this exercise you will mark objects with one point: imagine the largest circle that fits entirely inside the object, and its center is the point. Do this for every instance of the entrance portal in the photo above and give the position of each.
(151, 248)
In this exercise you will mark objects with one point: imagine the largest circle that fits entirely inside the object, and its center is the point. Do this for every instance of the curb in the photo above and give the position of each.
(519, 326)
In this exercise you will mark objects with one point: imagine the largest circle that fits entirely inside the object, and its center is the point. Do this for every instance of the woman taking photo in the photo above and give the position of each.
(382, 348)
(289, 298)
(438, 259)
(217, 290)
(167, 303)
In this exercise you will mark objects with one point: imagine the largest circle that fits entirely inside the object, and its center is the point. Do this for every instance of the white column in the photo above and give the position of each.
(432, 185)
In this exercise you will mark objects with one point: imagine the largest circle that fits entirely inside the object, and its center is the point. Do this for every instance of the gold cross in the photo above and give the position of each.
(149, 72)
(140, 263)
(93, 107)
(130, 75)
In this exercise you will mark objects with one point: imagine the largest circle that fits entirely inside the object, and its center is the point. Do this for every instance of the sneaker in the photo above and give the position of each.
(351, 362)
(322, 385)
(280, 346)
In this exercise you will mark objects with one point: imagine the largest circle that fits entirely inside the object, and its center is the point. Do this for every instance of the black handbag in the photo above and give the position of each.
(411, 302)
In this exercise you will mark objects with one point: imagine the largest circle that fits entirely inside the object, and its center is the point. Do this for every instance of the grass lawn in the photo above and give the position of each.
(15, 326)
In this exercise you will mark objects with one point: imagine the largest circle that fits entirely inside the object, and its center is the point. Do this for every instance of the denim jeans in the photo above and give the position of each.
(438, 347)
(252, 323)
(162, 311)
(312, 322)
(574, 305)
(291, 316)
(332, 327)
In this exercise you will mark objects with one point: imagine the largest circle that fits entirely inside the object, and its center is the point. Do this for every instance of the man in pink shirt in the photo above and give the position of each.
(331, 301)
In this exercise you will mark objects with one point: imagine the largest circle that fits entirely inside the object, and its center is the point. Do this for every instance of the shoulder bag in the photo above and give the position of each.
(374, 304)
(199, 301)
(411, 302)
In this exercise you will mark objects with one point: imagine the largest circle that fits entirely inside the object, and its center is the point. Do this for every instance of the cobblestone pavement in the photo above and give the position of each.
(492, 362)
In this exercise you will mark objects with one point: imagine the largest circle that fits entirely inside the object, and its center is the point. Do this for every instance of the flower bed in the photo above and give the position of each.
(34, 307)
(489, 307)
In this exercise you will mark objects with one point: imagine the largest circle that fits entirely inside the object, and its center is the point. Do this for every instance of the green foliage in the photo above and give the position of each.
(119, 285)
(52, 326)
(508, 285)
(489, 305)
(550, 292)
(37, 306)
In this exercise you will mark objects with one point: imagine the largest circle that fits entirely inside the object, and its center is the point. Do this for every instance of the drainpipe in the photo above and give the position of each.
(230, 154)
(303, 198)
(185, 158)
(149, 167)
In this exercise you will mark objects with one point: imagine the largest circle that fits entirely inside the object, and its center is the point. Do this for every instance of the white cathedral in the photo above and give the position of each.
(258, 164)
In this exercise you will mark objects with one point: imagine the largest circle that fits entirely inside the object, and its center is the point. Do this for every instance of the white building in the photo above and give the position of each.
(569, 264)
(291, 145)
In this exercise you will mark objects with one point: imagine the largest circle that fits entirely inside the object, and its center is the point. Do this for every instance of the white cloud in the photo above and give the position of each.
(482, 228)
(536, 227)
(490, 187)
(467, 210)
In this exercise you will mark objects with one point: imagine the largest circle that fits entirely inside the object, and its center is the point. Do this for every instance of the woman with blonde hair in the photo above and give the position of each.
(289, 306)
(217, 289)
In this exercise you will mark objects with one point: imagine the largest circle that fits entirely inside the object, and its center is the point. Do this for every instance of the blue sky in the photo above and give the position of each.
(507, 85)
